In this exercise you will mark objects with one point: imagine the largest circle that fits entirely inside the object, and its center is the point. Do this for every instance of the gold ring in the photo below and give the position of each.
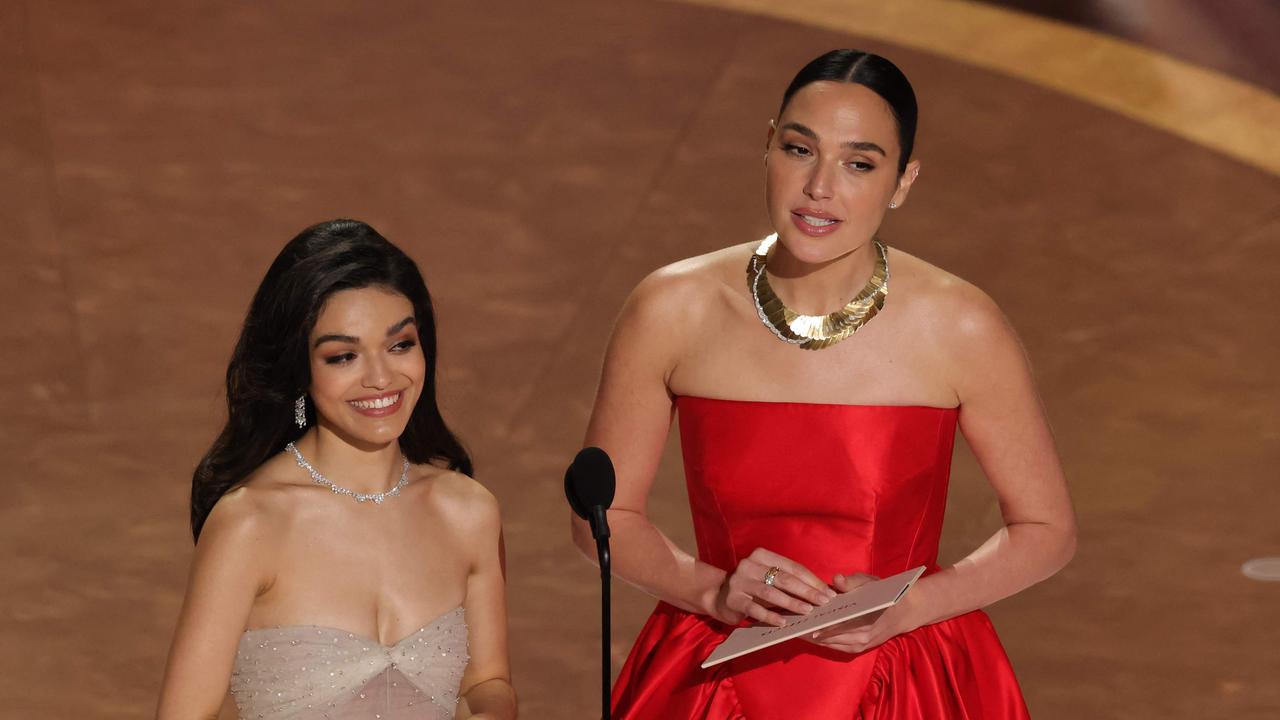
(769, 576)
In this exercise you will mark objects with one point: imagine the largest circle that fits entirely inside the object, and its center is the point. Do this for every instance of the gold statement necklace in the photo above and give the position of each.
(814, 332)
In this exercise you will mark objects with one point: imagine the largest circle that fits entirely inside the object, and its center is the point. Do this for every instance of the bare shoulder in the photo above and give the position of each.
(252, 512)
(239, 517)
(241, 538)
(685, 286)
(954, 310)
(466, 504)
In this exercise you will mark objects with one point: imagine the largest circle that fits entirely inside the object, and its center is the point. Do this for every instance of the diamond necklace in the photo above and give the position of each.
(814, 332)
(319, 479)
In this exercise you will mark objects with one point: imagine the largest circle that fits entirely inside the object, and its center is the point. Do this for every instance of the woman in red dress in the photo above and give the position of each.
(817, 458)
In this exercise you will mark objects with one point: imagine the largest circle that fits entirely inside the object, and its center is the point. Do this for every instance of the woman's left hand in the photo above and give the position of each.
(863, 633)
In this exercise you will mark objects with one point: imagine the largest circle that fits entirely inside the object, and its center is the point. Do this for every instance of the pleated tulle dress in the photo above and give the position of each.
(839, 489)
(313, 672)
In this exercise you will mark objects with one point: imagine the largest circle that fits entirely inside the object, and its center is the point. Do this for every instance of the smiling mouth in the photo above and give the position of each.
(816, 221)
(380, 403)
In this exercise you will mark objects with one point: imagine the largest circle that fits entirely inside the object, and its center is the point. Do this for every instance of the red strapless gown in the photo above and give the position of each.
(839, 489)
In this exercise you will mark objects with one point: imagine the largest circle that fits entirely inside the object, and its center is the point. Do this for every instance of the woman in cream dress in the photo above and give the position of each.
(346, 566)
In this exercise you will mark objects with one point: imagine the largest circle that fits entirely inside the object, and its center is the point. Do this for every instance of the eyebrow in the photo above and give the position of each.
(862, 145)
(352, 339)
(401, 325)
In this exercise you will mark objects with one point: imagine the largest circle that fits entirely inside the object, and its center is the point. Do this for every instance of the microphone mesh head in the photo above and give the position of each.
(590, 482)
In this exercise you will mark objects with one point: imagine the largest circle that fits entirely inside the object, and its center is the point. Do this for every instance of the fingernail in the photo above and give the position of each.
(806, 607)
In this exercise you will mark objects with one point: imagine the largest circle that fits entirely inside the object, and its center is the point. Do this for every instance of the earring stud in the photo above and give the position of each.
(893, 206)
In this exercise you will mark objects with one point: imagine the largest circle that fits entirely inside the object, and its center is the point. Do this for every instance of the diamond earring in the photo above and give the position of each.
(300, 411)
(893, 206)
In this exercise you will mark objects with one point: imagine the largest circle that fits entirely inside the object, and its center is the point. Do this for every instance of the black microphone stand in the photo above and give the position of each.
(589, 485)
(600, 529)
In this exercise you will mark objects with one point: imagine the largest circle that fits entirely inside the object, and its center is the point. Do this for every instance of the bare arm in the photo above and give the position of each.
(486, 684)
(227, 573)
(1003, 421)
(630, 421)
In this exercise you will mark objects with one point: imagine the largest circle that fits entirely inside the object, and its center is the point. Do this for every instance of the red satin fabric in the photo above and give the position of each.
(839, 489)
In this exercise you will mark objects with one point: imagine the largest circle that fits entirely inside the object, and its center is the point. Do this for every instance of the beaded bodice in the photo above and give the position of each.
(307, 672)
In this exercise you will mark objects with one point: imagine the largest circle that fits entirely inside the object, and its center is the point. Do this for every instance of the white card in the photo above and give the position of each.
(873, 596)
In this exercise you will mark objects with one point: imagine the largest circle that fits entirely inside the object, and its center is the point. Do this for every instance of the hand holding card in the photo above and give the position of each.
(863, 600)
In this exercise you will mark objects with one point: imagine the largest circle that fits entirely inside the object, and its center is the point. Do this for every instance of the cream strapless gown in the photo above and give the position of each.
(308, 672)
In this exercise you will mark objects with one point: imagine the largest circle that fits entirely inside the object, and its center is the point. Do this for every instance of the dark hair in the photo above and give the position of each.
(873, 72)
(270, 365)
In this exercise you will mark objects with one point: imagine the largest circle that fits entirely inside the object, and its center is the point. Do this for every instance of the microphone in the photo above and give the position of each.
(589, 484)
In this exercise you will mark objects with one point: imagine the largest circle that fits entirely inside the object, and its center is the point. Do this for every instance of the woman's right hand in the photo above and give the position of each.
(744, 592)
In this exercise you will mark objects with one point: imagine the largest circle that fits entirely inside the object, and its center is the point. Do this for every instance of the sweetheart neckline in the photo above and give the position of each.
(360, 636)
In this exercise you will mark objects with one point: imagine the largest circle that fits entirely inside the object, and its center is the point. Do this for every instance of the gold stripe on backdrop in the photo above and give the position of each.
(1201, 105)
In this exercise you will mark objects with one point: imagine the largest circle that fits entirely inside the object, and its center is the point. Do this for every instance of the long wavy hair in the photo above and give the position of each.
(270, 365)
